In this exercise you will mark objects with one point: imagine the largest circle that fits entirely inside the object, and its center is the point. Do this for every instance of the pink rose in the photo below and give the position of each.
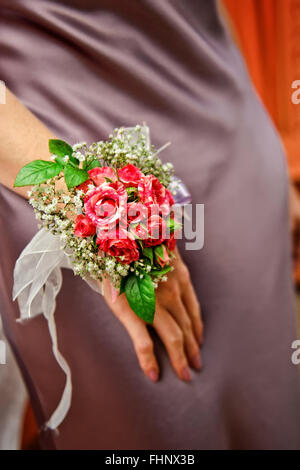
(105, 205)
(84, 227)
(125, 250)
(156, 230)
(154, 195)
(164, 259)
(136, 212)
(99, 174)
(151, 190)
(165, 207)
(130, 175)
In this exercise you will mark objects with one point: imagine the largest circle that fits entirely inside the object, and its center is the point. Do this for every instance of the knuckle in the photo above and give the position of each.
(176, 340)
(184, 275)
(187, 325)
(195, 312)
(144, 347)
(172, 290)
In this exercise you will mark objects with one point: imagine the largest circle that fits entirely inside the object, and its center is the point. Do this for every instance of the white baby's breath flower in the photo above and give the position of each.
(78, 146)
(64, 237)
(66, 158)
(66, 199)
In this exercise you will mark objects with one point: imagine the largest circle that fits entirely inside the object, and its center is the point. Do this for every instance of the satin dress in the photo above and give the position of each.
(84, 67)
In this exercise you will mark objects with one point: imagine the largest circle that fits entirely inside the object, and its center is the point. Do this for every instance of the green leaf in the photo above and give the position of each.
(37, 172)
(160, 272)
(74, 176)
(148, 253)
(61, 149)
(159, 251)
(108, 180)
(173, 225)
(141, 296)
(93, 164)
(131, 189)
(132, 193)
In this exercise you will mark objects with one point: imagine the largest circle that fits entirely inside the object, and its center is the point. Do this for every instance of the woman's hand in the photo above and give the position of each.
(177, 321)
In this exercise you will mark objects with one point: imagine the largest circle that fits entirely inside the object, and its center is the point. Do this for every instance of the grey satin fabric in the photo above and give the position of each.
(85, 67)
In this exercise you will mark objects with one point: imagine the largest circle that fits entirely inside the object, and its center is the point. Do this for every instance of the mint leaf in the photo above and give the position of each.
(38, 171)
(94, 163)
(148, 253)
(61, 149)
(160, 272)
(141, 296)
(74, 176)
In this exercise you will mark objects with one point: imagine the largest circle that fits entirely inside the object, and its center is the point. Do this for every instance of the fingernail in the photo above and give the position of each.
(196, 361)
(186, 374)
(153, 375)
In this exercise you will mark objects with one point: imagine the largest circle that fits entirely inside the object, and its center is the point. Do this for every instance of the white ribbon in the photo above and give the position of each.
(37, 281)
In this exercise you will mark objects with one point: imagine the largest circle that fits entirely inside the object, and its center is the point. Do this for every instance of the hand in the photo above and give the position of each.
(295, 222)
(177, 321)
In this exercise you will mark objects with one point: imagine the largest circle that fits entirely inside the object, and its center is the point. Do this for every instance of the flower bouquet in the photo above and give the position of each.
(110, 204)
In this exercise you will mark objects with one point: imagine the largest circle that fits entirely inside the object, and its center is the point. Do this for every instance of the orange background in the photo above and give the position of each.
(268, 33)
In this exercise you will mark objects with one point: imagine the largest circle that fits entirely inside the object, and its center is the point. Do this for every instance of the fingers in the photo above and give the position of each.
(173, 339)
(137, 331)
(191, 346)
(192, 306)
(142, 343)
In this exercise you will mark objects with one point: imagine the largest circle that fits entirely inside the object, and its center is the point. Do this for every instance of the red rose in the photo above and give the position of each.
(84, 227)
(130, 175)
(171, 242)
(156, 230)
(125, 250)
(84, 186)
(99, 174)
(139, 231)
(169, 197)
(105, 205)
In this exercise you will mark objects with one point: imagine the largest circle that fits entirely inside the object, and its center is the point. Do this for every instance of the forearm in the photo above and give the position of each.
(23, 138)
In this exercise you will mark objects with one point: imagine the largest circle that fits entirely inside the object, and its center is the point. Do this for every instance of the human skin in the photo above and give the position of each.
(177, 318)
